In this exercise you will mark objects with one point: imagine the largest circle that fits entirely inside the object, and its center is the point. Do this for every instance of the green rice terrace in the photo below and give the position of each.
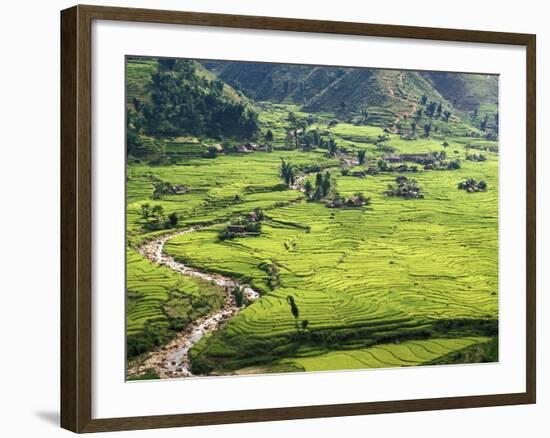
(285, 218)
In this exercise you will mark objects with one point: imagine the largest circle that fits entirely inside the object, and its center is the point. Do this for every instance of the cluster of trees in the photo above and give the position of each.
(490, 127)
(383, 166)
(287, 172)
(433, 109)
(183, 103)
(240, 297)
(476, 157)
(405, 188)
(137, 146)
(443, 165)
(272, 271)
(155, 219)
(298, 135)
(324, 184)
(471, 185)
(161, 189)
(356, 200)
(249, 225)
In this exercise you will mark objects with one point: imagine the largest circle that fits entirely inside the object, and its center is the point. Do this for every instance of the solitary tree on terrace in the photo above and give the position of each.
(361, 153)
(294, 309)
(364, 114)
(427, 129)
(308, 188)
(332, 146)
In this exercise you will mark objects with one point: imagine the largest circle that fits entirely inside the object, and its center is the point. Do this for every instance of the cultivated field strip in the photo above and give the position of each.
(409, 353)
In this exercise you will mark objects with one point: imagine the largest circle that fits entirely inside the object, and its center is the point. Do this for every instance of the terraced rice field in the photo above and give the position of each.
(409, 353)
(160, 301)
(400, 282)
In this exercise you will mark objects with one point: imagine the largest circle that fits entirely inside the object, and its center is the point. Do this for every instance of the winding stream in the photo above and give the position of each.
(172, 360)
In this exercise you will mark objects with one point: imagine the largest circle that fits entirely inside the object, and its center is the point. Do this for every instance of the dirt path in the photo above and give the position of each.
(172, 359)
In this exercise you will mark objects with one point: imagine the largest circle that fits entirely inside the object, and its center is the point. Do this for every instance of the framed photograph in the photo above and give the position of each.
(269, 218)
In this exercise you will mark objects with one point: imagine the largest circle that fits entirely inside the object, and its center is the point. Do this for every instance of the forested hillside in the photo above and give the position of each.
(179, 98)
(347, 91)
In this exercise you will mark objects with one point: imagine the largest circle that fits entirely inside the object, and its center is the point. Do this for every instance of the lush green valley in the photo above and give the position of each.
(342, 218)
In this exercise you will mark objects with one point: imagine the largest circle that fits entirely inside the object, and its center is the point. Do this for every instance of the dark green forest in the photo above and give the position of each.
(181, 102)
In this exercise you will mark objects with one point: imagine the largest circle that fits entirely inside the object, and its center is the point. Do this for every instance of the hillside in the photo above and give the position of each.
(387, 94)
(465, 91)
(138, 80)
(177, 97)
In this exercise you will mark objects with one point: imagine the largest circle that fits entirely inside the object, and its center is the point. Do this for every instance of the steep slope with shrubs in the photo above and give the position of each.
(179, 97)
(386, 94)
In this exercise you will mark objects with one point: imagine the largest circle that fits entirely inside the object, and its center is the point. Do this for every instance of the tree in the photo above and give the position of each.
(361, 153)
(157, 213)
(145, 210)
(211, 152)
(287, 172)
(294, 309)
(413, 127)
(427, 129)
(382, 166)
(423, 99)
(161, 188)
(332, 146)
(439, 110)
(430, 109)
(326, 183)
(364, 115)
(318, 179)
(239, 296)
(446, 115)
(294, 126)
(227, 146)
(453, 165)
(173, 219)
(483, 124)
(308, 188)
(136, 103)
(269, 135)
(259, 214)
(342, 106)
